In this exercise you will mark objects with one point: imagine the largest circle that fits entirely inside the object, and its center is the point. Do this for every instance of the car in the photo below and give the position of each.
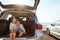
(44, 28)
(54, 29)
(26, 14)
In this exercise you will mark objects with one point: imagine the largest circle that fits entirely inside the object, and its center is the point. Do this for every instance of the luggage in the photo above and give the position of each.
(39, 26)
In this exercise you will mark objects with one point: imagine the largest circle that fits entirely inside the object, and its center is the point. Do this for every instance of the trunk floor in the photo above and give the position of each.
(18, 39)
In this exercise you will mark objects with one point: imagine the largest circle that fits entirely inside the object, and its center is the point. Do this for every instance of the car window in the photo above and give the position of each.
(0, 13)
(9, 16)
(57, 23)
(23, 2)
(23, 18)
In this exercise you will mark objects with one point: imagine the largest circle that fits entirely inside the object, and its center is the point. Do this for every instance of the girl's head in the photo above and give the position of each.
(14, 20)
(18, 22)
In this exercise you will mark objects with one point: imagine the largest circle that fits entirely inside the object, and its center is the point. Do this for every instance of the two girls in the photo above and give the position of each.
(14, 27)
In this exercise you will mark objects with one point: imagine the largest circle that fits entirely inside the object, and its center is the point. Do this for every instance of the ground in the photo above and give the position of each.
(45, 37)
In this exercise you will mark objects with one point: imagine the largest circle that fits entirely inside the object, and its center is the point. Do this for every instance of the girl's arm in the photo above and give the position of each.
(10, 27)
(22, 27)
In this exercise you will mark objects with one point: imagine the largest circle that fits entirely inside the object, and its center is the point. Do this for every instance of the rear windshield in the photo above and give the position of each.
(0, 13)
(22, 2)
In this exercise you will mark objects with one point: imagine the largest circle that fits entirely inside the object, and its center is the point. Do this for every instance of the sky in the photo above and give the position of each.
(47, 10)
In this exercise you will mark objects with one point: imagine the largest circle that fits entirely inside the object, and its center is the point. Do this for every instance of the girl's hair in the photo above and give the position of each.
(19, 21)
(13, 18)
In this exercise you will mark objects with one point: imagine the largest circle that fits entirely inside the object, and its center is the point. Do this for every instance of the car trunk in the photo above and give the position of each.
(29, 23)
(23, 11)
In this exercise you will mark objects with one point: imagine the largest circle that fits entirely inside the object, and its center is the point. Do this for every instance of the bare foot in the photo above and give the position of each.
(11, 39)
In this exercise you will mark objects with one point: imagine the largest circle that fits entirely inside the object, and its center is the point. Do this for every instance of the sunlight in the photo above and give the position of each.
(23, 2)
(20, 2)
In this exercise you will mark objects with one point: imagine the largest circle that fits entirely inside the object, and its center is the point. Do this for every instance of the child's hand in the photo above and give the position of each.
(14, 30)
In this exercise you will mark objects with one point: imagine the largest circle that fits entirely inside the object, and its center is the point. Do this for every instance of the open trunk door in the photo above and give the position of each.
(21, 7)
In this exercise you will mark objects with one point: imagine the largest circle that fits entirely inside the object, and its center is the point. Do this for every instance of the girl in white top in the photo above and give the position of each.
(13, 29)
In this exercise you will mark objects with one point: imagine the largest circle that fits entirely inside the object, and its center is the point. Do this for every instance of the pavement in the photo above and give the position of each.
(44, 37)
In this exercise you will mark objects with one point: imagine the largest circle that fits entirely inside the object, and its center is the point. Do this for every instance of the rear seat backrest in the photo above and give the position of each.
(29, 27)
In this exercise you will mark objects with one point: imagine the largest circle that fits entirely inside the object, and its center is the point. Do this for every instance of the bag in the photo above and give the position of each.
(39, 26)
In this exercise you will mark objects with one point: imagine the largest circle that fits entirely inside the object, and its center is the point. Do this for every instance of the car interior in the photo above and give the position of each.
(27, 19)
(24, 13)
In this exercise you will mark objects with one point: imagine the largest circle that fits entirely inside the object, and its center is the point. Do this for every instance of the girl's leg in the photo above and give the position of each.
(20, 34)
(11, 35)
(14, 35)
